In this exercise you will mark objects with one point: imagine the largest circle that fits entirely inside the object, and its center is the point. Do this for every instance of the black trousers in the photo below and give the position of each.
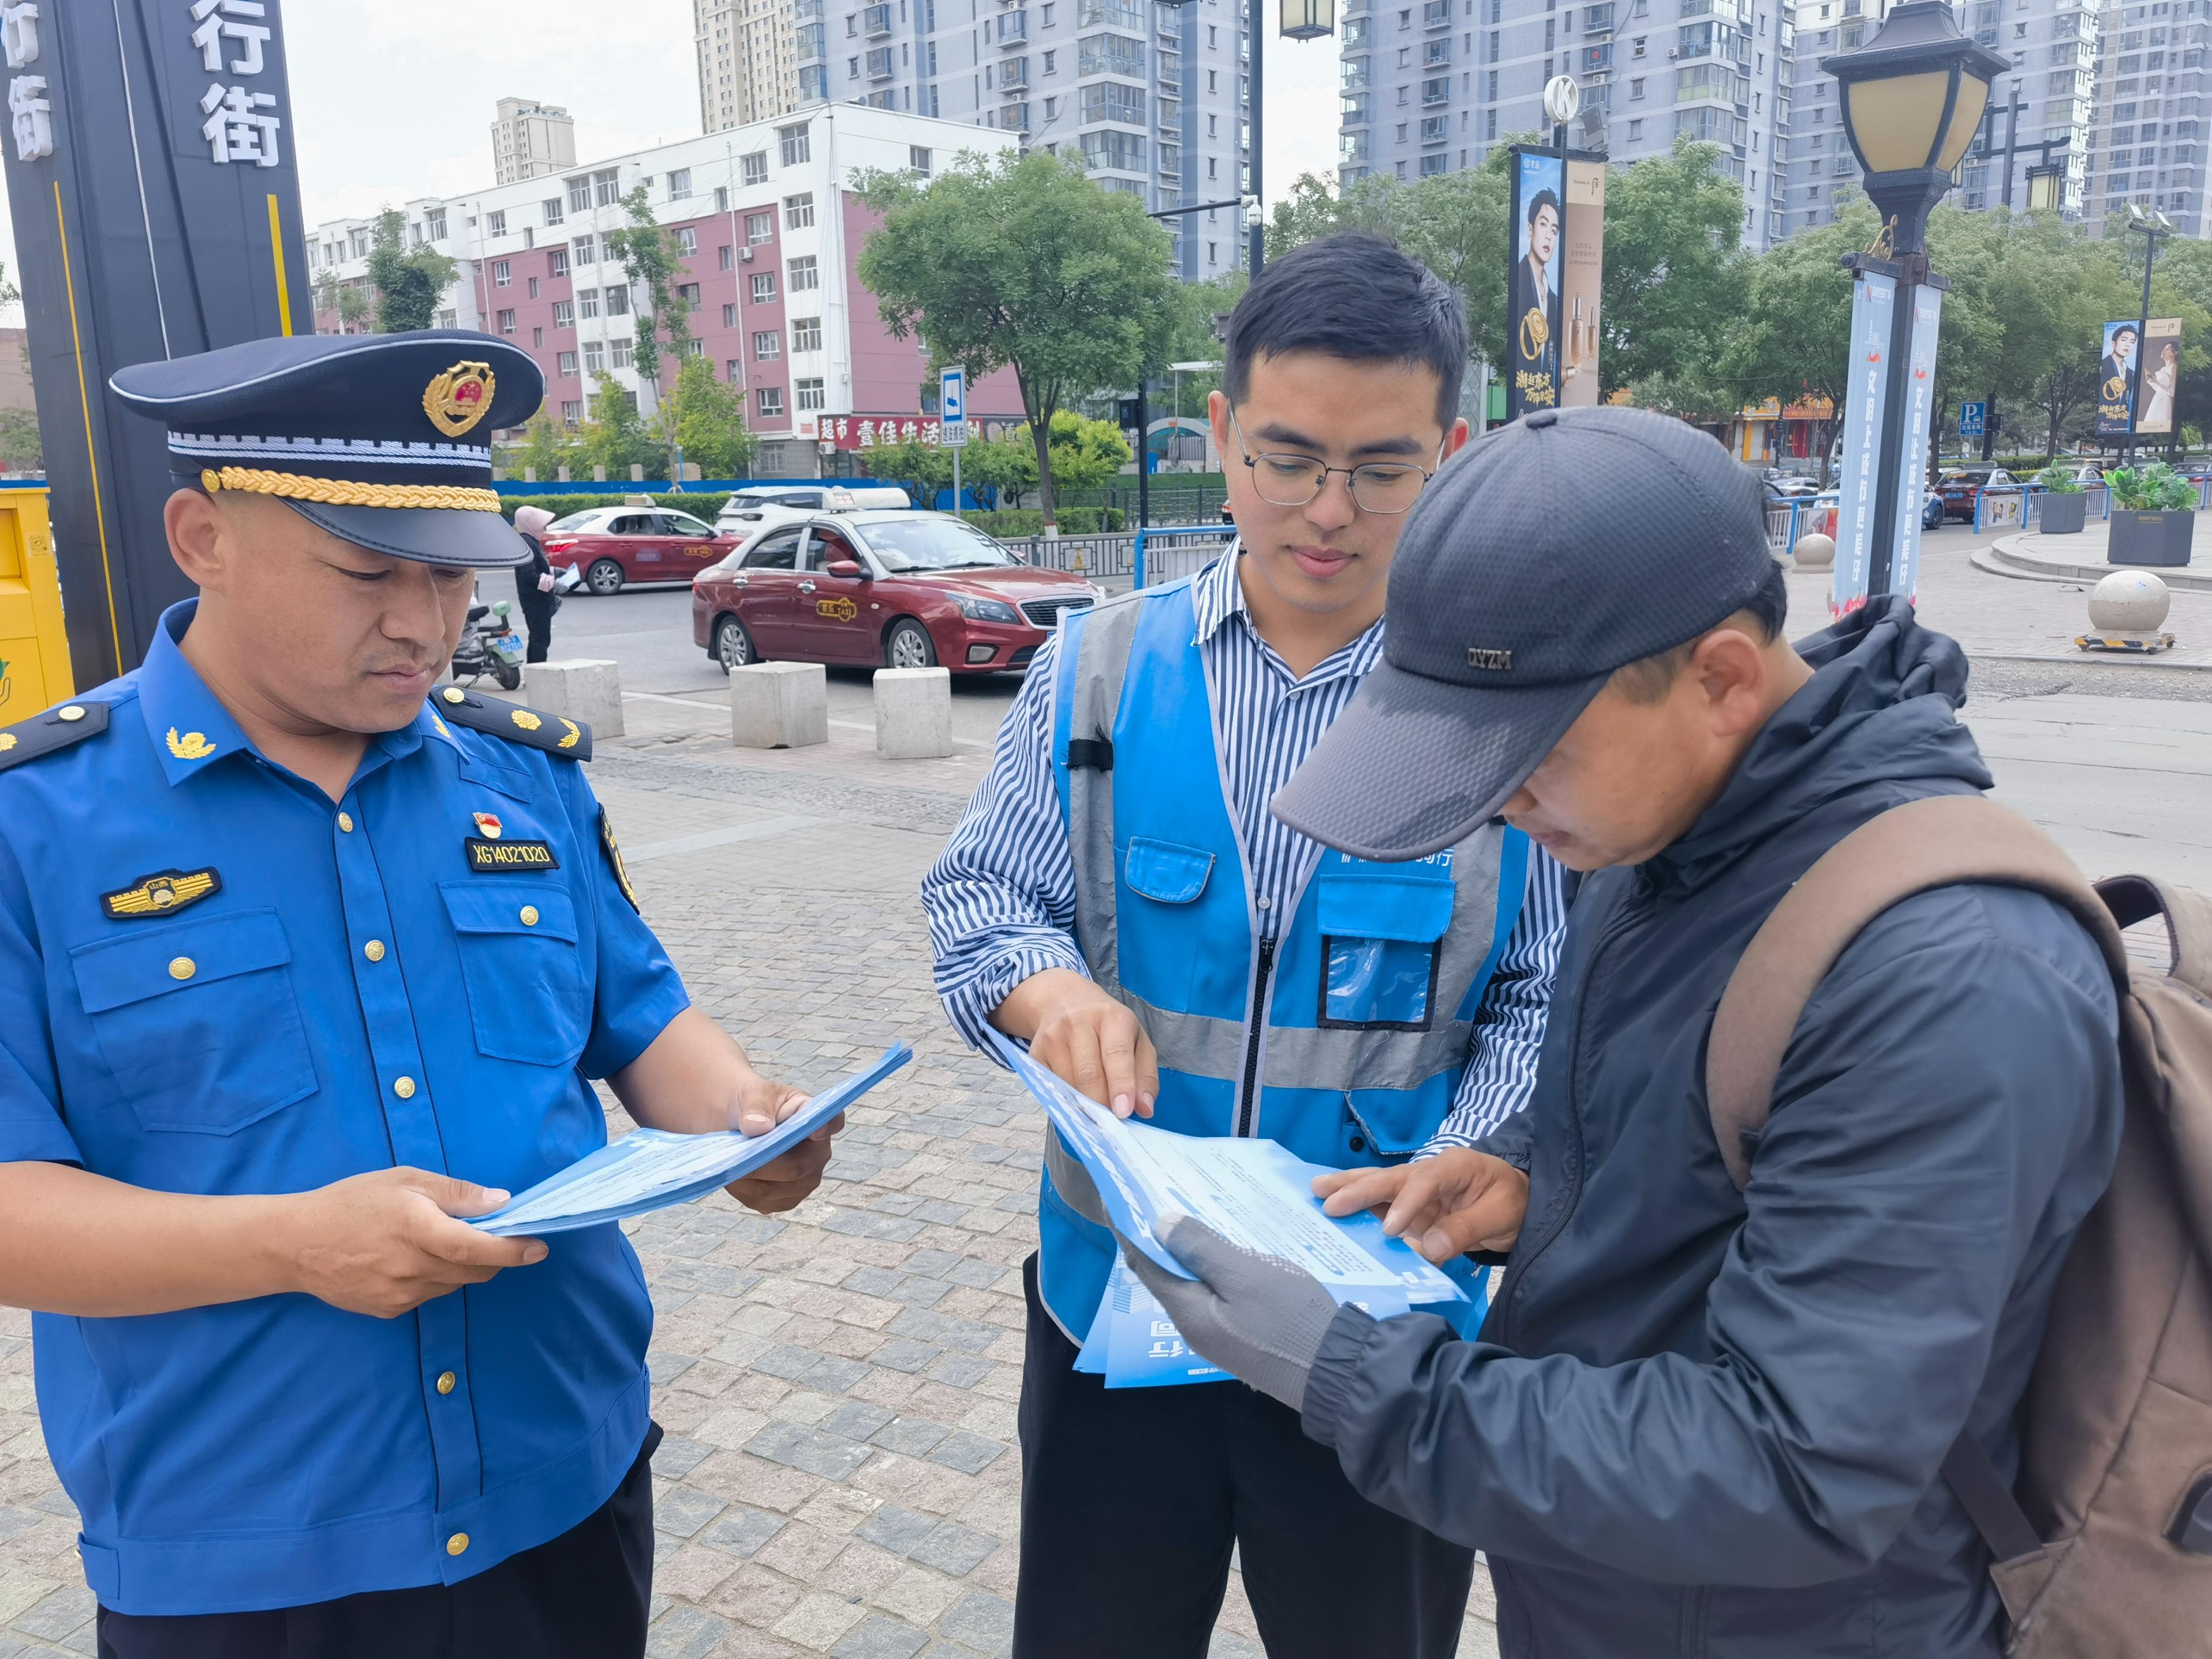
(537, 620)
(1131, 1502)
(581, 1596)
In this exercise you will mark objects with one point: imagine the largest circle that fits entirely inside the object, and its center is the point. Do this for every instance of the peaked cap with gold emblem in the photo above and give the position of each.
(384, 440)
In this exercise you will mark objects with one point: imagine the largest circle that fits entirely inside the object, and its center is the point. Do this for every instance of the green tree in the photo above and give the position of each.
(615, 437)
(545, 448)
(710, 422)
(1675, 272)
(1085, 454)
(1006, 465)
(647, 253)
(408, 282)
(1022, 262)
(923, 469)
(22, 449)
(1792, 339)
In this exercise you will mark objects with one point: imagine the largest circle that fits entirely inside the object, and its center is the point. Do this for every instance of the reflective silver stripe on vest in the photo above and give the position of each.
(1102, 663)
(1198, 1045)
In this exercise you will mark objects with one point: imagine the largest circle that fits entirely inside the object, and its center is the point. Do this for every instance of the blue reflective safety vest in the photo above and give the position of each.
(1369, 993)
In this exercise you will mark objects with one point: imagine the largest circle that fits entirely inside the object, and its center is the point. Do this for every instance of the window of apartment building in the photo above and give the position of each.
(534, 287)
(806, 276)
(730, 315)
(586, 251)
(503, 273)
(1490, 124)
(1636, 88)
(768, 345)
(572, 413)
(507, 322)
(764, 288)
(769, 399)
(798, 210)
(587, 302)
(918, 159)
(687, 239)
(553, 213)
(564, 314)
(852, 26)
(806, 334)
(496, 224)
(433, 223)
(595, 356)
(1490, 87)
(617, 300)
(1051, 63)
(808, 396)
(1405, 58)
(734, 371)
(618, 352)
(538, 338)
(759, 227)
(557, 263)
(753, 169)
(679, 183)
(448, 319)
(579, 193)
(1636, 129)
(694, 349)
(606, 186)
(793, 148)
(568, 364)
(688, 292)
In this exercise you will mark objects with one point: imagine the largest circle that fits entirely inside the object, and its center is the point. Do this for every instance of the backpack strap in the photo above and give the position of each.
(1941, 841)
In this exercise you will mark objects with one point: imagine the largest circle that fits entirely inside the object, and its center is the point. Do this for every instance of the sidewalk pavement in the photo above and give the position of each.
(839, 1385)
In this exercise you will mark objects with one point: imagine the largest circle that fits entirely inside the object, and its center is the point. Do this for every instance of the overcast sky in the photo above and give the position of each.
(395, 98)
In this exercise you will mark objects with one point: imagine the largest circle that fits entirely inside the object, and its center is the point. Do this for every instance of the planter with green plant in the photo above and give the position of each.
(2065, 505)
(2153, 515)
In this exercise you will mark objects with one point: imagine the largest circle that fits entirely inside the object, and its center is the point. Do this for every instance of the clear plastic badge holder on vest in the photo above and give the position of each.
(651, 1169)
(1253, 1193)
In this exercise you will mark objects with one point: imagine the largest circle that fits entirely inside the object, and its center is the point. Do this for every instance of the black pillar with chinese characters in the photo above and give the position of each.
(157, 214)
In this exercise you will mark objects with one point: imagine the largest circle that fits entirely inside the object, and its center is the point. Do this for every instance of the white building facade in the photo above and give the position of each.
(770, 236)
(748, 60)
(529, 140)
(2153, 86)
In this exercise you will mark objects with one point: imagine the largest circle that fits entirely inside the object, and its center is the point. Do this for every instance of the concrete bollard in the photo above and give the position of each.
(1814, 551)
(582, 688)
(2126, 602)
(779, 705)
(914, 713)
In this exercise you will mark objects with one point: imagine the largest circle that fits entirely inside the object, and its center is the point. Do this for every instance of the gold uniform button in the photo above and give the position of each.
(445, 1381)
(529, 915)
(73, 712)
(454, 693)
(457, 1543)
(405, 1088)
(183, 968)
(345, 822)
(374, 950)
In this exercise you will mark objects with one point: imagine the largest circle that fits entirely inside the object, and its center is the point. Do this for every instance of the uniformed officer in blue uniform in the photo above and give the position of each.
(302, 958)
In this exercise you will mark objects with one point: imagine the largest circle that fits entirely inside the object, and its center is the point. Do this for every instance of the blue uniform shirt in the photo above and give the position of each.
(353, 995)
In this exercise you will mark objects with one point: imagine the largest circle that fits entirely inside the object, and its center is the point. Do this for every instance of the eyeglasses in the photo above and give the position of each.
(1383, 487)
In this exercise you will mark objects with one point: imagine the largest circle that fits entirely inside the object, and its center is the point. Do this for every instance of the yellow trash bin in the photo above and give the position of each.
(34, 659)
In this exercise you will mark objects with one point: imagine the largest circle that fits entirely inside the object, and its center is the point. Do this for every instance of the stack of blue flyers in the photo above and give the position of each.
(651, 1169)
(1135, 1345)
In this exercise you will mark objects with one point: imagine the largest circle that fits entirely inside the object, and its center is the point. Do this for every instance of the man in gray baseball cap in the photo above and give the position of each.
(1699, 1418)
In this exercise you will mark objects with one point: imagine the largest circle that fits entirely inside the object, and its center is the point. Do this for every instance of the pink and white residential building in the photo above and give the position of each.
(771, 237)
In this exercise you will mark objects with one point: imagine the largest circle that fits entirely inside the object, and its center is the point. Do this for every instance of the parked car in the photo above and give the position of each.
(1931, 512)
(615, 545)
(1962, 487)
(1785, 486)
(757, 505)
(898, 589)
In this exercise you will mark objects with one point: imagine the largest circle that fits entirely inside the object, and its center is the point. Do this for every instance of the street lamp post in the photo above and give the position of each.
(2153, 224)
(1911, 99)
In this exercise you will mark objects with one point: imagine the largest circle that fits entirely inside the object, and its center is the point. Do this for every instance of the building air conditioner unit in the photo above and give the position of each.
(746, 255)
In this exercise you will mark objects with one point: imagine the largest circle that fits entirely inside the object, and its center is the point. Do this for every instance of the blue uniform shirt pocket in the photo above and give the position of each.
(519, 961)
(1381, 929)
(199, 1020)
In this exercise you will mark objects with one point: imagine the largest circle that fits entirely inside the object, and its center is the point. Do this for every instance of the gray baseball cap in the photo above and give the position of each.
(1545, 556)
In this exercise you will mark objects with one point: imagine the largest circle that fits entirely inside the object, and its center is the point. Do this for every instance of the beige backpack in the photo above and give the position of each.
(2103, 1548)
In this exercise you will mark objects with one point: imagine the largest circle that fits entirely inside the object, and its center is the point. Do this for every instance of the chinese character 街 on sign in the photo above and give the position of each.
(241, 123)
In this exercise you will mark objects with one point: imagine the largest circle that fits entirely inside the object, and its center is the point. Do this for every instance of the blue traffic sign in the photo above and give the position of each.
(952, 395)
(1971, 417)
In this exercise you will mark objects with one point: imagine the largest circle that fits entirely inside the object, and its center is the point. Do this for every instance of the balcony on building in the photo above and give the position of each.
(1596, 20)
(876, 20)
(880, 67)
(802, 11)
(1436, 90)
(1014, 29)
(1596, 60)
(1352, 110)
(1169, 112)
(1352, 148)
(1170, 162)
(1435, 14)
(1351, 75)
(1435, 128)
(1013, 74)
(1014, 117)
(811, 43)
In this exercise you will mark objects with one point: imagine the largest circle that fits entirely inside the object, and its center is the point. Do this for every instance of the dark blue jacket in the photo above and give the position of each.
(1701, 1422)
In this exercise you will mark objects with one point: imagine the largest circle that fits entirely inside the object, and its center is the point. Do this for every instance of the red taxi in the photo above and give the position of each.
(612, 545)
(902, 590)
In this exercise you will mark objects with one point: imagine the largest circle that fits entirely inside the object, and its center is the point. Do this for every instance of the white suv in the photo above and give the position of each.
(762, 505)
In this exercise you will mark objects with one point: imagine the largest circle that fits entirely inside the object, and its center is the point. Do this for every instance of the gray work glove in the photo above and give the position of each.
(1256, 1316)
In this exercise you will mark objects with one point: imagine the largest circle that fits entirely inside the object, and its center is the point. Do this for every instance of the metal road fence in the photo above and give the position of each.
(1148, 557)
(1996, 511)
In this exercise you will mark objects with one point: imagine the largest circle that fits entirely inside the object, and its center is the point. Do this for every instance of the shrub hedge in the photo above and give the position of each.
(700, 504)
(1010, 522)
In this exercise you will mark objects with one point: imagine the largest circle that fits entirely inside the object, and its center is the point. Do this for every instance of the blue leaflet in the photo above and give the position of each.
(653, 1168)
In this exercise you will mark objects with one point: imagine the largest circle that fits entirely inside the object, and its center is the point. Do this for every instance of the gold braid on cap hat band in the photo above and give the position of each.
(347, 492)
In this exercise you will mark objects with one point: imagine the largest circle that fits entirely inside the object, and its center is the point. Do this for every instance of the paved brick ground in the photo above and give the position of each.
(839, 1386)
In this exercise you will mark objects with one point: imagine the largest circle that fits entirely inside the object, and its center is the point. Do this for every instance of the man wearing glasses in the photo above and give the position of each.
(1118, 894)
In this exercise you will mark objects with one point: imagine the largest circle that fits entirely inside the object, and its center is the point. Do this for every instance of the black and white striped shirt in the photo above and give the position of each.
(1000, 900)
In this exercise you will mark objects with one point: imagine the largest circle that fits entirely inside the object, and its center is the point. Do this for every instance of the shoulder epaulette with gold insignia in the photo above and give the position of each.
(556, 734)
(57, 728)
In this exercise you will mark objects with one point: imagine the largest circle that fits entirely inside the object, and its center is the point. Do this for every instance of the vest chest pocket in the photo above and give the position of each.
(519, 963)
(1161, 937)
(199, 1022)
(1382, 931)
